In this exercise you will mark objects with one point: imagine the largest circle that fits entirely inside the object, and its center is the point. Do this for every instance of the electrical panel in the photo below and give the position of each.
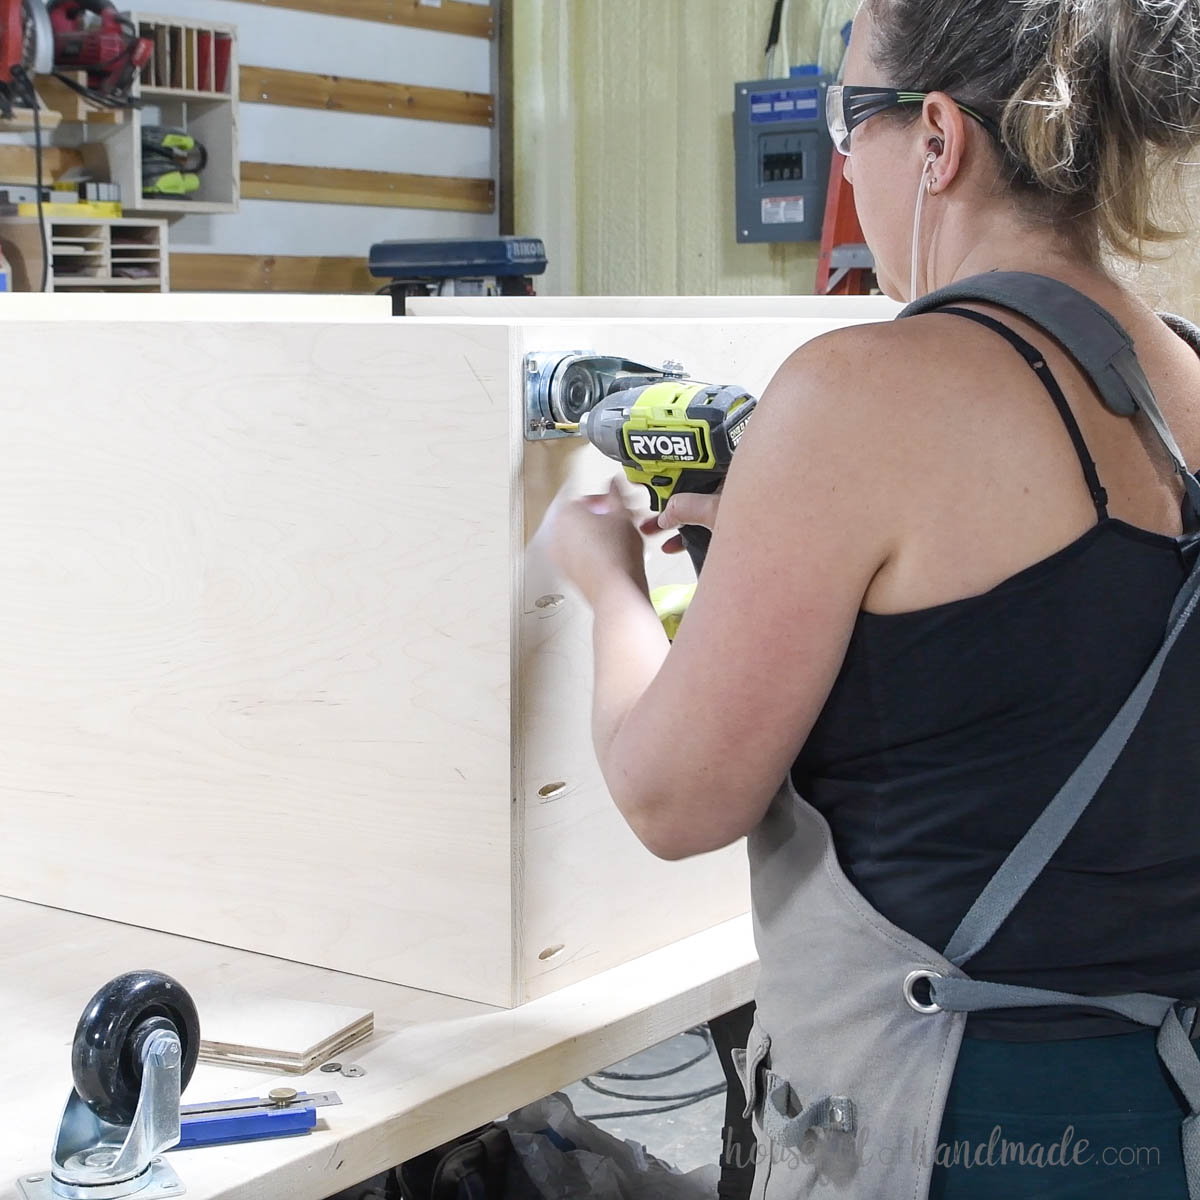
(782, 152)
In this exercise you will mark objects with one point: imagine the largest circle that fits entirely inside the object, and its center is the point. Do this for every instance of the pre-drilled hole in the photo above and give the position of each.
(549, 791)
(550, 952)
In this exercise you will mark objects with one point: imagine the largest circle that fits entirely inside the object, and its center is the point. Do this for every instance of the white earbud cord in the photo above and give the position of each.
(916, 235)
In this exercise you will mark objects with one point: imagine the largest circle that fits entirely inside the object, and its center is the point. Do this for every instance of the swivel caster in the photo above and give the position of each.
(134, 1052)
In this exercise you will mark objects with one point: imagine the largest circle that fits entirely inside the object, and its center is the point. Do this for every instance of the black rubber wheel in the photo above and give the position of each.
(106, 1059)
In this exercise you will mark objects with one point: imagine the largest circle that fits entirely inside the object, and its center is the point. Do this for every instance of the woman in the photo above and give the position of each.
(956, 583)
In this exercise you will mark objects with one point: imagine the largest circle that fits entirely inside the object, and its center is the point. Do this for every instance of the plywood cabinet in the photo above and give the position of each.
(282, 664)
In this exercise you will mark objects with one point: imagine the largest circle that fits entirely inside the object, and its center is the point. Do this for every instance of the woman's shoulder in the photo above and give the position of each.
(880, 377)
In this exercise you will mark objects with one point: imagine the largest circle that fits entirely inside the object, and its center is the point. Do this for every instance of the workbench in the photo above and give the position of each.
(435, 1067)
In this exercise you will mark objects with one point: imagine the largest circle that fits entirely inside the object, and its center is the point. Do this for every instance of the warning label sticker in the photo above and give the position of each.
(782, 210)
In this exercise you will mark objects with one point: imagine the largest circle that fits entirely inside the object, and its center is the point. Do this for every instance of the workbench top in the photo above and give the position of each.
(435, 1066)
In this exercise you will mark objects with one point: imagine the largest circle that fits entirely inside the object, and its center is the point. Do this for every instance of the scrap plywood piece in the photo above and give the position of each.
(336, 93)
(389, 189)
(279, 1034)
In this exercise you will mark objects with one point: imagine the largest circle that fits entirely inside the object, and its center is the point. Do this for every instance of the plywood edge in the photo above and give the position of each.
(270, 273)
(516, 557)
(338, 185)
(336, 93)
(448, 16)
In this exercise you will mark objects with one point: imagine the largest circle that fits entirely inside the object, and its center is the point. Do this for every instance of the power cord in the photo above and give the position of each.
(675, 1101)
(22, 76)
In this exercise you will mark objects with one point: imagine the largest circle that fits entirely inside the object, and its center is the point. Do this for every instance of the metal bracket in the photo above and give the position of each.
(561, 384)
(95, 1160)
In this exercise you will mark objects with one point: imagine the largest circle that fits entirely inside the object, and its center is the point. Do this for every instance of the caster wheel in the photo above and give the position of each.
(106, 1055)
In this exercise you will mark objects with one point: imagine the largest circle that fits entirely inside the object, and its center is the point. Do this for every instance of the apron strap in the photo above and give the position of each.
(1178, 1054)
(1175, 1048)
(975, 995)
(1093, 337)
(1027, 859)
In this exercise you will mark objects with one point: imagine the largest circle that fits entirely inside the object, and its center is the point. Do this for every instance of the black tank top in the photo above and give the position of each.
(949, 729)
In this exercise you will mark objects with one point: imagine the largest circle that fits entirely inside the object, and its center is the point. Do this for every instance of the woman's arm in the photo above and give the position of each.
(693, 744)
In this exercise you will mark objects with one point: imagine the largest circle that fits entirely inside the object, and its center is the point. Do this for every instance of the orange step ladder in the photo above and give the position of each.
(846, 267)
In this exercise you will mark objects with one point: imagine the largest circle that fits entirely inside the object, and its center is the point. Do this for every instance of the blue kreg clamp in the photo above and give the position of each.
(250, 1119)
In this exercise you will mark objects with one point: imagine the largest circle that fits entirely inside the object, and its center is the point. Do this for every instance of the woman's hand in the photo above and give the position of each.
(685, 508)
(594, 539)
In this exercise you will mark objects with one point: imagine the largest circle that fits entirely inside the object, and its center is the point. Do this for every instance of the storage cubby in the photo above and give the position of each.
(97, 255)
(190, 83)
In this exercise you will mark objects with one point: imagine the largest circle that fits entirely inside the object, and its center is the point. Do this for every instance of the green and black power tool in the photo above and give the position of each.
(669, 433)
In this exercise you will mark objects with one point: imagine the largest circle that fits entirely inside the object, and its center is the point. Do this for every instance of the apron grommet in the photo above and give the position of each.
(910, 981)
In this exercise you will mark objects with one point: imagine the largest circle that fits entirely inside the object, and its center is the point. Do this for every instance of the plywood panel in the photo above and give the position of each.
(335, 185)
(254, 638)
(194, 306)
(589, 885)
(306, 89)
(537, 308)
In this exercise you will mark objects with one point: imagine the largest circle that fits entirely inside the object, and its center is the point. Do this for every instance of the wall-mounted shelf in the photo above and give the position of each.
(88, 253)
(190, 83)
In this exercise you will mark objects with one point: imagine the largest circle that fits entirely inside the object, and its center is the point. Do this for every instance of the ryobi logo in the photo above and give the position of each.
(659, 445)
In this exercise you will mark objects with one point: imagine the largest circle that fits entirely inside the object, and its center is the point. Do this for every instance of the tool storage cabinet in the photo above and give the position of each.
(283, 666)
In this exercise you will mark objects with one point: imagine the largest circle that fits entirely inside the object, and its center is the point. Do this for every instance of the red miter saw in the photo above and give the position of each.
(38, 38)
(92, 36)
(26, 49)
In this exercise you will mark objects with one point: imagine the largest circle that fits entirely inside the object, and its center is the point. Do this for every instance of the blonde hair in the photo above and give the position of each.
(1098, 102)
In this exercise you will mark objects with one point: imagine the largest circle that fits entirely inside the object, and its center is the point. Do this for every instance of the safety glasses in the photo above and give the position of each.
(847, 106)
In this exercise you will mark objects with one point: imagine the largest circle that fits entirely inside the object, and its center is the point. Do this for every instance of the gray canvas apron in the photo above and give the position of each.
(858, 1024)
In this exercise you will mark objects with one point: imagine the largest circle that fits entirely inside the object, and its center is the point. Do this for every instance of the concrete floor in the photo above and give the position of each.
(686, 1138)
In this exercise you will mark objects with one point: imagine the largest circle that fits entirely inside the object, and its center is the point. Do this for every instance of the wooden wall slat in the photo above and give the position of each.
(450, 16)
(303, 89)
(270, 273)
(338, 185)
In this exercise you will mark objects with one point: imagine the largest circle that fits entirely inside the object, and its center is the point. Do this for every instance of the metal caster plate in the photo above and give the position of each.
(160, 1181)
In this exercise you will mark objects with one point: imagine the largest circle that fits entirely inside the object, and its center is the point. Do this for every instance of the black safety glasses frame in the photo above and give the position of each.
(848, 105)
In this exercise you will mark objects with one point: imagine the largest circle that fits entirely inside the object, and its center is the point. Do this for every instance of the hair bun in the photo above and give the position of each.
(1099, 100)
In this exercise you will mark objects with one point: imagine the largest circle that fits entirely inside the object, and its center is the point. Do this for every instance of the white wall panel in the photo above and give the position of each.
(624, 143)
(277, 227)
(312, 138)
(302, 41)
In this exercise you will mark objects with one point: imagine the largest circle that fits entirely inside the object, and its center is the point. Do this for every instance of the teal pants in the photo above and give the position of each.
(1092, 1117)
